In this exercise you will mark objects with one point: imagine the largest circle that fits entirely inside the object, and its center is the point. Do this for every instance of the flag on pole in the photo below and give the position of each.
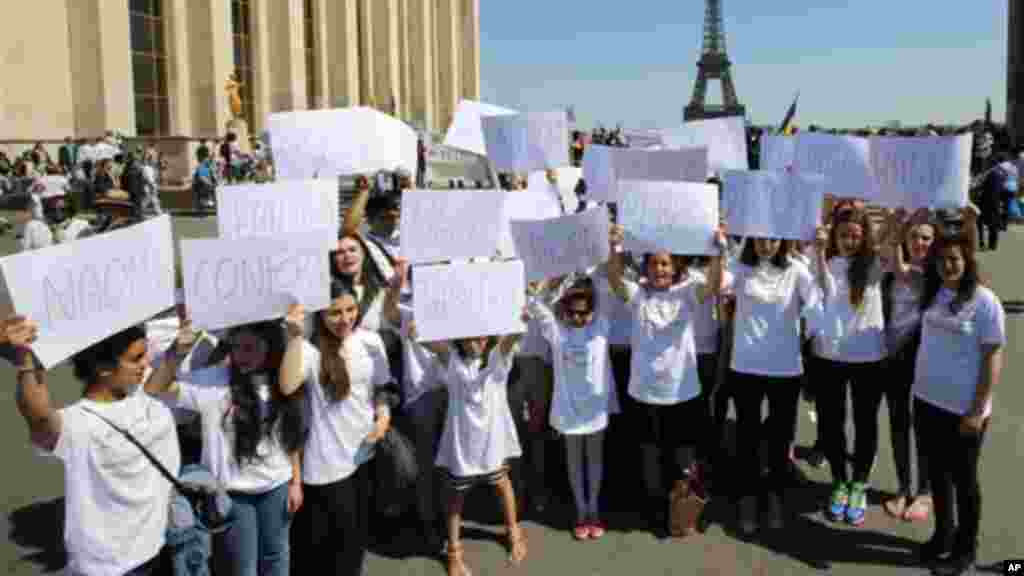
(571, 112)
(787, 123)
(988, 111)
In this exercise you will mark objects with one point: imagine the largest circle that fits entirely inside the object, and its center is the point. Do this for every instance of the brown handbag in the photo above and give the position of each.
(685, 508)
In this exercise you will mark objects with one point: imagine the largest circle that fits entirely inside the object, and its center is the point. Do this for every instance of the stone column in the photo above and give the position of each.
(212, 61)
(404, 74)
(470, 56)
(321, 52)
(343, 45)
(287, 54)
(367, 55)
(449, 45)
(386, 56)
(179, 69)
(421, 63)
(260, 33)
(101, 65)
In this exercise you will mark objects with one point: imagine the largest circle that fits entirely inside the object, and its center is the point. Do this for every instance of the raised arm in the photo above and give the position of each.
(616, 263)
(820, 246)
(163, 379)
(394, 293)
(290, 375)
(32, 395)
(357, 210)
(715, 271)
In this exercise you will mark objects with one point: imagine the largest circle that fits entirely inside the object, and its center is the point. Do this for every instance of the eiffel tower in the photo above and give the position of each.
(713, 64)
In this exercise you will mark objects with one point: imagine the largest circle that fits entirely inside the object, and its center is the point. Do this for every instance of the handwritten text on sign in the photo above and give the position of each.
(725, 139)
(604, 167)
(527, 142)
(466, 300)
(278, 208)
(232, 282)
(83, 292)
(440, 225)
(563, 245)
(680, 217)
(773, 204)
(922, 172)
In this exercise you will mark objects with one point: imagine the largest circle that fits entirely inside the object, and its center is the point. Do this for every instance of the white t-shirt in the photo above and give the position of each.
(207, 392)
(160, 335)
(373, 318)
(479, 433)
(904, 311)
(584, 392)
(949, 361)
(421, 367)
(848, 334)
(33, 235)
(705, 321)
(663, 369)
(115, 501)
(769, 305)
(337, 430)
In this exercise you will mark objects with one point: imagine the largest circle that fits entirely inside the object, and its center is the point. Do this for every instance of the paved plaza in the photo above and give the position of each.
(32, 488)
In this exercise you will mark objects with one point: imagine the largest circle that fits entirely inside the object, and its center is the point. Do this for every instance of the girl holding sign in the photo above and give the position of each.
(773, 293)
(850, 349)
(663, 377)
(479, 435)
(584, 391)
(959, 363)
(252, 436)
(340, 378)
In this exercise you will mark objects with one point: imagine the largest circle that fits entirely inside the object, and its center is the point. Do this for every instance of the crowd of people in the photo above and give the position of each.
(646, 350)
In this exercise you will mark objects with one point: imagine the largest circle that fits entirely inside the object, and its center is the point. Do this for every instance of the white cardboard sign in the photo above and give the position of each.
(680, 217)
(466, 300)
(844, 161)
(565, 190)
(725, 139)
(82, 292)
(922, 172)
(326, 143)
(604, 167)
(466, 131)
(564, 245)
(527, 142)
(233, 282)
(773, 204)
(277, 208)
(440, 225)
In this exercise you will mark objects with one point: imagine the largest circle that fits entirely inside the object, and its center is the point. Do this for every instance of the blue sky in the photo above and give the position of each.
(855, 62)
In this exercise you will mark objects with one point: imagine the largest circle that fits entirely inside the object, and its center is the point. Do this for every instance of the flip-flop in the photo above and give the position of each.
(896, 507)
(919, 510)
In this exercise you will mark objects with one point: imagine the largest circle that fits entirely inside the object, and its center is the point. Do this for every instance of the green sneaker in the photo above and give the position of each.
(839, 501)
(858, 504)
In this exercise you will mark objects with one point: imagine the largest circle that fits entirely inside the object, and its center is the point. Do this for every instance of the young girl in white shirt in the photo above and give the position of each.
(479, 435)
(664, 379)
(850, 349)
(252, 436)
(584, 392)
(340, 378)
(958, 365)
(773, 293)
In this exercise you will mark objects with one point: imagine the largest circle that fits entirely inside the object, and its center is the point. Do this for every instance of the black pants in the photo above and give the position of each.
(992, 221)
(953, 468)
(707, 446)
(911, 461)
(865, 382)
(331, 531)
(776, 433)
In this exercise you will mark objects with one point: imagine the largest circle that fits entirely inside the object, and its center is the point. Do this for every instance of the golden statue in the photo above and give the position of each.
(232, 89)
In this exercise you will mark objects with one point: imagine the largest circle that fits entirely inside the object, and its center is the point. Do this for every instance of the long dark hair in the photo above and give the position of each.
(334, 375)
(750, 258)
(866, 256)
(582, 289)
(933, 277)
(285, 417)
(373, 280)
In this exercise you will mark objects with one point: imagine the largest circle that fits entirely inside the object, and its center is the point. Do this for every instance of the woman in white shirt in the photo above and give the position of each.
(479, 435)
(850, 349)
(963, 332)
(773, 292)
(339, 379)
(30, 231)
(252, 436)
(663, 379)
(115, 501)
(584, 392)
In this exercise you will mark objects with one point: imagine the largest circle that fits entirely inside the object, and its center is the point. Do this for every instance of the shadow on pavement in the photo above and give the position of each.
(40, 527)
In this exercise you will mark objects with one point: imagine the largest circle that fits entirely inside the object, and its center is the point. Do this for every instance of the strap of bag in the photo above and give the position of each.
(149, 455)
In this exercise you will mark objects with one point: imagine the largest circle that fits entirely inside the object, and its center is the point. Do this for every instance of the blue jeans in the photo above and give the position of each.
(257, 542)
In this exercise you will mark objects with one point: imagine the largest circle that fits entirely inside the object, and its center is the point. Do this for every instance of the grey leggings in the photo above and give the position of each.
(911, 462)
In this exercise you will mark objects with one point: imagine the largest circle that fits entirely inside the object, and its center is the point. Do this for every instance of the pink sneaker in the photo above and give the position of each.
(596, 529)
